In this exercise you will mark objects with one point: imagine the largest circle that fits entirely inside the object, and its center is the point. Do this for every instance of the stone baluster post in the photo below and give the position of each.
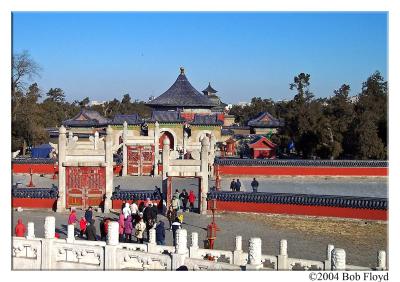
(283, 256)
(110, 260)
(124, 150)
(152, 245)
(49, 227)
(71, 234)
(181, 250)
(109, 170)
(254, 259)
(338, 259)
(381, 261)
(165, 164)
(47, 243)
(31, 230)
(194, 246)
(204, 174)
(328, 261)
(62, 146)
(156, 147)
(238, 252)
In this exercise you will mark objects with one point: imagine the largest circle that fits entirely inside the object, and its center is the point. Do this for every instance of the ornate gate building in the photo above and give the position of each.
(85, 171)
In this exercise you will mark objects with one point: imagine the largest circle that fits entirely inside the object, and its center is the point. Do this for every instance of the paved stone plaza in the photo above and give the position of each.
(356, 186)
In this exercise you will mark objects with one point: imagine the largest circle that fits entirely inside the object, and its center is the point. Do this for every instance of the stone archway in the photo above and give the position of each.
(171, 138)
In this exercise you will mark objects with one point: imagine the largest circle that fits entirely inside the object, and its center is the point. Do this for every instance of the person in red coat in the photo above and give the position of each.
(192, 198)
(82, 225)
(20, 228)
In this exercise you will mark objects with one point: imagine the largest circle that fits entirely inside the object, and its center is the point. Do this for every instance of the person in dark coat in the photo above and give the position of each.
(238, 185)
(89, 214)
(184, 196)
(233, 185)
(91, 231)
(148, 217)
(175, 226)
(254, 185)
(160, 233)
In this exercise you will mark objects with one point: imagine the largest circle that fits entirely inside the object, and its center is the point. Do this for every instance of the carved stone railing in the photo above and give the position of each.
(309, 163)
(51, 253)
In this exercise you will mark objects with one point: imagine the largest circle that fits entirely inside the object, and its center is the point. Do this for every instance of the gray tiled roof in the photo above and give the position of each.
(181, 94)
(206, 120)
(93, 118)
(209, 89)
(166, 116)
(265, 119)
(130, 119)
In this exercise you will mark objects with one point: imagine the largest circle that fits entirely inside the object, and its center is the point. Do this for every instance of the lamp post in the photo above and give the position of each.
(30, 184)
(212, 228)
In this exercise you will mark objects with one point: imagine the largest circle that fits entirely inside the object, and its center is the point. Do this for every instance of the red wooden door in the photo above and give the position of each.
(140, 160)
(85, 186)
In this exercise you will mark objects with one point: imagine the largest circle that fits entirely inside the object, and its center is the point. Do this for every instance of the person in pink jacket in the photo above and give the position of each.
(121, 222)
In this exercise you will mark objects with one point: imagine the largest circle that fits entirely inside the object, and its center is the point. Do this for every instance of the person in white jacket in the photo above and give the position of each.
(126, 210)
(134, 209)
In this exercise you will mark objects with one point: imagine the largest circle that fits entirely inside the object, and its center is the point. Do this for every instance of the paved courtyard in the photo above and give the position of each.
(307, 236)
(346, 186)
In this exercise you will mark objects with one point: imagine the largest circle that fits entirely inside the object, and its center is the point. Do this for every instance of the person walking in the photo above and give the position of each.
(126, 210)
(140, 228)
(20, 228)
(171, 215)
(177, 194)
(104, 228)
(238, 185)
(175, 226)
(91, 231)
(160, 233)
(89, 214)
(128, 227)
(134, 209)
(82, 226)
(121, 222)
(192, 199)
(184, 196)
(254, 185)
(233, 185)
(72, 217)
(175, 203)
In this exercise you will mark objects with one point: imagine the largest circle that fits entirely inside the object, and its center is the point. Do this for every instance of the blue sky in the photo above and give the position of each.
(243, 55)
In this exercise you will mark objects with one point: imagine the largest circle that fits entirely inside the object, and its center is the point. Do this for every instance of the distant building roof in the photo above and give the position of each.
(130, 119)
(86, 118)
(181, 94)
(209, 89)
(166, 116)
(265, 120)
(206, 120)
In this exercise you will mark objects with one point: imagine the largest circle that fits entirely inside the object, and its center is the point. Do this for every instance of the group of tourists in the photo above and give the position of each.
(236, 185)
(185, 198)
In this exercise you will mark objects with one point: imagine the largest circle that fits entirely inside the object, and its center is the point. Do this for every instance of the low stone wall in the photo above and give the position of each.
(302, 204)
(35, 198)
(50, 253)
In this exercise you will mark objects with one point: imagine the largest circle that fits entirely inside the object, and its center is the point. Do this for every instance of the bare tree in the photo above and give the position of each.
(23, 66)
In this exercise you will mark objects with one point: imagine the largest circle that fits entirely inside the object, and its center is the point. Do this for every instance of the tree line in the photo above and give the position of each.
(328, 128)
(335, 127)
(31, 115)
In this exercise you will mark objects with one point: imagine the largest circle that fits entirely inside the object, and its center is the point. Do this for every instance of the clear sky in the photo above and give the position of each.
(243, 55)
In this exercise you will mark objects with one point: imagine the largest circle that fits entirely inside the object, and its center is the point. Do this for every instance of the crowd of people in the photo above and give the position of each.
(135, 220)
